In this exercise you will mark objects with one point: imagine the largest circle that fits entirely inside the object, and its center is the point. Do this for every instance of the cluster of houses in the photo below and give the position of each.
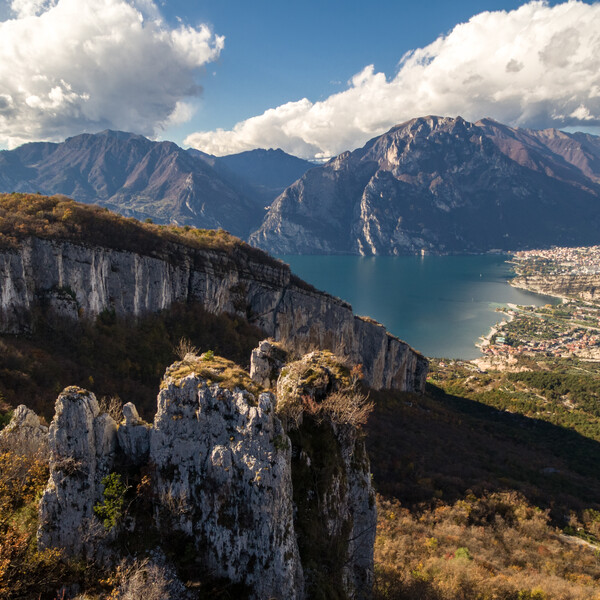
(584, 260)
(572, 342)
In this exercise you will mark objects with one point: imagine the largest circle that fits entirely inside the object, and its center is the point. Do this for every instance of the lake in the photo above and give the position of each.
(440, 305)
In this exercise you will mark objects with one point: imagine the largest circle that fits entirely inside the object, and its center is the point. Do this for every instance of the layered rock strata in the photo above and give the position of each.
(78, 280)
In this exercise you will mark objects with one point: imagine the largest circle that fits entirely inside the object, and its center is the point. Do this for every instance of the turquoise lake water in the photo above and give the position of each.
(440, 305)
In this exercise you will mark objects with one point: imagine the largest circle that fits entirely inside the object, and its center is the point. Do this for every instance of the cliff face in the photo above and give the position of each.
(585, 287)
(218, 479)
(442, 185)
(80, 280)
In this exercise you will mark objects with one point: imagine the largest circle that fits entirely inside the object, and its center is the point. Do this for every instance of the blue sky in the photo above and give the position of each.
(314, 78)
(277, 51)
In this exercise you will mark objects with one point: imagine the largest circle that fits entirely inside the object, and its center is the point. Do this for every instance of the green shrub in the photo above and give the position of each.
(111, 510)
(5, 418)
(463, 553)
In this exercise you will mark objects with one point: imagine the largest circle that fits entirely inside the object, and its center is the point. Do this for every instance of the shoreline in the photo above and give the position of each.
(510, 282)
(486, 339)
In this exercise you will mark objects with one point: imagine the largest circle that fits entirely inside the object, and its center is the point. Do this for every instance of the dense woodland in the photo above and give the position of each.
(488, 485)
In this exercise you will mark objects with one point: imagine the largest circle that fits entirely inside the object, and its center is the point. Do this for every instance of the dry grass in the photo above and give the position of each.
(214, 369)
(495, 547)
(347, 408)
(324, 386)
(113, 406)
(185, 347)
(145, 580)
(59, 217)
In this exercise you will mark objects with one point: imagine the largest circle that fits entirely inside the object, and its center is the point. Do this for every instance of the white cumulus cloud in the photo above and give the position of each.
(536, 66)
(68, 66)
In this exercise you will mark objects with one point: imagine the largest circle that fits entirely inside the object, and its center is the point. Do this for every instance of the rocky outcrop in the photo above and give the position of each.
(25, 434)
(134, 436)
(443, 185)
(223, 478)
(265, 363)
(83, 281)
(325, 439)
(82, 446)
(283, 515)
(584, 287)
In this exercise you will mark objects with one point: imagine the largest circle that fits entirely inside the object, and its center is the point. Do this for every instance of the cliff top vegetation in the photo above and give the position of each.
(59, 217)
(215, 369)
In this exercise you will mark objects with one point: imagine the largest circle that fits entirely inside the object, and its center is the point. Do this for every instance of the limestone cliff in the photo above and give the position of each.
(82, 445)
(82, 280)
(218, 479)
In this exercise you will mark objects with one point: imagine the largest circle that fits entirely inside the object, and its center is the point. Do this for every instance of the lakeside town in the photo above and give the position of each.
(583, 260)
(569, 329)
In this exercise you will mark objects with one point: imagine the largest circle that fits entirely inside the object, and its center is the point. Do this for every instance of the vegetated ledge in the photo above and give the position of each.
(60, 218)
(83, 260)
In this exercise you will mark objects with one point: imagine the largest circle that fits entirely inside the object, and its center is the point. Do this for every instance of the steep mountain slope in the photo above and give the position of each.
(268, 171)
(159, 180)
(443, 185)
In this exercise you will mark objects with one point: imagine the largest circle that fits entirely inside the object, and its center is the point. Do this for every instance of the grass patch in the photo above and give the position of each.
(214, 369)
(59, 217)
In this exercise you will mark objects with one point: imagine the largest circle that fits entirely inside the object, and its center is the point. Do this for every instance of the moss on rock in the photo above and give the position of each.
(214, 369)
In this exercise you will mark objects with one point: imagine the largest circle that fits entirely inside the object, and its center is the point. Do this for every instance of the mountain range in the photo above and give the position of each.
(443, 185)
(432, 184)
(159, 180)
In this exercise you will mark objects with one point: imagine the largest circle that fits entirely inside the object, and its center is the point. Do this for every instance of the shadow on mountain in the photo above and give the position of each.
(439, 447)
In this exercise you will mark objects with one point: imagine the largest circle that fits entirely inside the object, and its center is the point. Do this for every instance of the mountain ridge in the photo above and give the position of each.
(442, 185)
(137, 177)
(68, 266)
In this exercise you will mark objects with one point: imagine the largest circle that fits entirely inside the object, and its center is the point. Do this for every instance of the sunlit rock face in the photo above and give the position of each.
(247, 500)
(266, 362)
(223, 478)
(82, 446)
(25, 434)
(443, 185)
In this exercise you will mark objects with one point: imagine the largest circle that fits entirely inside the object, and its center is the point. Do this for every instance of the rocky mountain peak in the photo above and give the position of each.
(442, 184)
(159, 180)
